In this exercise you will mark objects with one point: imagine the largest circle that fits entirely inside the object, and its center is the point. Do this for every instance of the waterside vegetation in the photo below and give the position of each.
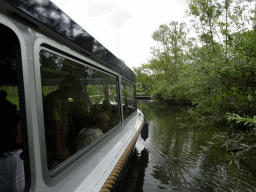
(216, 70)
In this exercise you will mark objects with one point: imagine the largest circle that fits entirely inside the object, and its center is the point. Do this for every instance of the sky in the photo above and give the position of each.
(125, 28)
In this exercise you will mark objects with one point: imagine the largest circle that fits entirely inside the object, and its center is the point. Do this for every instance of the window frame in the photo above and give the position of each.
(24, 98)
(63, 51)
(135, 100)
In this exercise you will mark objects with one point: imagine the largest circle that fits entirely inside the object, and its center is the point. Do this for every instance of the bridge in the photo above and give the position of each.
(142, 96)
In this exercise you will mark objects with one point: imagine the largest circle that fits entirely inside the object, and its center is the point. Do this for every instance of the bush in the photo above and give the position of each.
(178, 92)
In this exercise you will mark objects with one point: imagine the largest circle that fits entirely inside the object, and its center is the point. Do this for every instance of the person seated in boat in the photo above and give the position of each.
(12, 176)
(58, 120)
(87, 135)
(80, 109)
(114, 115)
(125, 110)
(81, 106)
(106, 107)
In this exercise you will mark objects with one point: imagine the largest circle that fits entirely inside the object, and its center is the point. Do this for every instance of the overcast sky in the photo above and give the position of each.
(132, 21)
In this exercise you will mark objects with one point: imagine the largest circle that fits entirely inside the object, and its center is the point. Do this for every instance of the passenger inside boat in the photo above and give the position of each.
(56, 104)
(58, 120)
(87, 96)
(125, 110)
(12, 176)
(81, 106)
(106, 107)
(87, 135)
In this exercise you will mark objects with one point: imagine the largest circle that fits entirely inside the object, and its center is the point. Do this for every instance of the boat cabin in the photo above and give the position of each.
(68, 105)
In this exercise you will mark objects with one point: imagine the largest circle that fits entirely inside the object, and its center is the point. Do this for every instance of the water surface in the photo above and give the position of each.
(171, 159)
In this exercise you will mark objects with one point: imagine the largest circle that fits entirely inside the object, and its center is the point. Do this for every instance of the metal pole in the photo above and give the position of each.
(118, 47)
(254, 16)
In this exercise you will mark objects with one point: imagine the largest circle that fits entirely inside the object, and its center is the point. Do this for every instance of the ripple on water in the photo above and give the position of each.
(175, 161)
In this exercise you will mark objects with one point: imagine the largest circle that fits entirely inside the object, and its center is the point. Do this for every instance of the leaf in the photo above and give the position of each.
(211, 143)
(238, 165)
(244, 145)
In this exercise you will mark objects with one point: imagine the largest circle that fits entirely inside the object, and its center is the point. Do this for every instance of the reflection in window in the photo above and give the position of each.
(12, 95)
(80, 105)
(12, 115)
(128, 98)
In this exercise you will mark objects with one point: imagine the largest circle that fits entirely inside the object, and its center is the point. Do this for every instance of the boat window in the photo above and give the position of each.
(80, 105)
(12, 117)
(128, 98)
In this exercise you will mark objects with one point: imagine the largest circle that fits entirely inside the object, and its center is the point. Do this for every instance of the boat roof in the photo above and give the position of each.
(46, 13)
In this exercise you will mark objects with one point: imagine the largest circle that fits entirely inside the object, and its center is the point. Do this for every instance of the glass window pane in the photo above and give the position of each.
(12, 116)
(128, 99)
(80, 105)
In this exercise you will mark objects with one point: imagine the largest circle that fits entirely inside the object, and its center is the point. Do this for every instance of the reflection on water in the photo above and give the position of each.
(171, 158)
(135, 178)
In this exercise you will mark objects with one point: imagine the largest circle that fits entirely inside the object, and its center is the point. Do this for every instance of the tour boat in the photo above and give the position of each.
(76, 100)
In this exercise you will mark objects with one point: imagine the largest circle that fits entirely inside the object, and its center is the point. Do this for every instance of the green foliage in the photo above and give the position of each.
(162, 75)
(222, 77)
(179, 92)
(216, 70)
(92, 90)
(48, 89)
(227, 83)
(160, 90)
(241, 144)
(144, 80)
(12, 94)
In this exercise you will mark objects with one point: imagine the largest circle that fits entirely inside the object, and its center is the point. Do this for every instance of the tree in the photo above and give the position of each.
(215, 20)
(162, 75)
(167, 57)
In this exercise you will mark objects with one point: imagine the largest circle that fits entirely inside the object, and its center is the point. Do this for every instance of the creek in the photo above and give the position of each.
(171, 159)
